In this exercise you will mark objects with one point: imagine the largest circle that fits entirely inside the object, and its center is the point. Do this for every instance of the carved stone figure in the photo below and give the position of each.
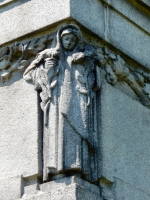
(66, 74)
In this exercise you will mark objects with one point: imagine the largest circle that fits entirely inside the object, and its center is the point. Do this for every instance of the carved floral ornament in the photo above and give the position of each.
(19, 56)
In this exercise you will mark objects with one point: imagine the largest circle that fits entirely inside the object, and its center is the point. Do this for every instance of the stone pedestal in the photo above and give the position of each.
(67, 188)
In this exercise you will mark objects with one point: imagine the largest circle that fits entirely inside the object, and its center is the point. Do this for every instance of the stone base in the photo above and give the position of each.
(68, 188)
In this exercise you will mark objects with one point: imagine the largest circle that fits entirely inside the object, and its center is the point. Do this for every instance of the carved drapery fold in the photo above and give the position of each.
(66, 76)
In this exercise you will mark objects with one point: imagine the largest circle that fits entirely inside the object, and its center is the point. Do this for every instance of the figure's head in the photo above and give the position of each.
(69, 39)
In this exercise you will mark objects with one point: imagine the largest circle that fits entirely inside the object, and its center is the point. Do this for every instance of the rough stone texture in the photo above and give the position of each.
(68, 93)
(124, 124)
(48, 13)
(70, 188)
(128, 38)
(142, 5)
(31, 189)
(122, 190)
(11, 188)
(24, 17)
(124, 138)
(125, 191)
(40, 196)
(66, 181)
(95, 22)
(19, 139)
(131, 12)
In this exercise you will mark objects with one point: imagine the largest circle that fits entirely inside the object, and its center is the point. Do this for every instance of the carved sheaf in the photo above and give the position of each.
(86, 76)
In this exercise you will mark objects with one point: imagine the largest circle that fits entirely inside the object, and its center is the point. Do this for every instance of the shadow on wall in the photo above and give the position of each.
(15, 77)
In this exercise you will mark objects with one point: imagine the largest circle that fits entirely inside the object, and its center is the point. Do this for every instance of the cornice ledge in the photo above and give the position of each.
(143, 5)
(4, 2)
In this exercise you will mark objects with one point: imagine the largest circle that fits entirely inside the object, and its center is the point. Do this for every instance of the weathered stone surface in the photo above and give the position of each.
(95, 22)
(129, 39)
(123, 123)
(142, 5)
(11, 188)
(124, 138)
(123, 190)
(19, 139)
(120, 189)
(31, 189)
(40, 196)
(68, 188)
(20, 18)
(51, 12)
(83, 194)
(126, 8)
(66, 181)
(65, 76)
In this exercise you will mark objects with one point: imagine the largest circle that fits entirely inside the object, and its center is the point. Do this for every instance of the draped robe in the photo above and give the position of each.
(70, 138)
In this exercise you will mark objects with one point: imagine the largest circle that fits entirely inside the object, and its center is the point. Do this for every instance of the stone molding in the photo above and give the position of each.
(143, 5)
(3, 2)
(143, 2)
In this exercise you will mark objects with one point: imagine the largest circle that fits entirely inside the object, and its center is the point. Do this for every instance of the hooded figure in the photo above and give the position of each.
(65, 75)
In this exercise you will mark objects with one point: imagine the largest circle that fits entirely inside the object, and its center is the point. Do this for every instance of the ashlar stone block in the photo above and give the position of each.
(123, 190)
(68, 188)
(19, 139)
(11, 188)
(125, 138)
(129, 39)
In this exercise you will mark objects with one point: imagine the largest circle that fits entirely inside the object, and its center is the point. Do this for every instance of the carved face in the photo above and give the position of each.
(69, 41)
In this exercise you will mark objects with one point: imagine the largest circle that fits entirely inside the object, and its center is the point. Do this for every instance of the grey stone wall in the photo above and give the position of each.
(20, 138)
(125, 139)
(123, 122)
(19, 130)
